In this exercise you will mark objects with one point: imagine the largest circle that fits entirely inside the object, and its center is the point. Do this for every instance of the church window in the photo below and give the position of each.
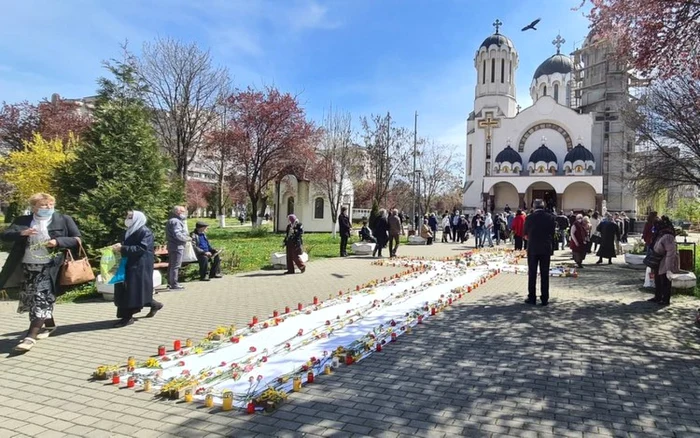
(488, 169)
(493, 71)
(488, 150)
(469, 153)
(503, 70)
(511, 72)
(483, 72)
(318, 208)
(544, 93)
(290, 205)
(556, 92)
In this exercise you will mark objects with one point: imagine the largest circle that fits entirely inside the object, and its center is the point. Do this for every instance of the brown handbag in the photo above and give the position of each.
(78, 271)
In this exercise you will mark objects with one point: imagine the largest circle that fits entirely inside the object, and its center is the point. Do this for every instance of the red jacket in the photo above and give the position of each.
(518, 225)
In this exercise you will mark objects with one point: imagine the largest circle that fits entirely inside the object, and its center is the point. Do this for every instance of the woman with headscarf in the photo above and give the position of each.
(40, 240)
(426, 232)
(577, 240)
(648, 233)
(488, 229)
(609, 236)
(294, 241)
(665, 244)
(136, 292)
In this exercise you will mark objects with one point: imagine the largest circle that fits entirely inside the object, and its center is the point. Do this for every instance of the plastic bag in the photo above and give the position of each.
(109, 263)
(120, 275)
(649, 279)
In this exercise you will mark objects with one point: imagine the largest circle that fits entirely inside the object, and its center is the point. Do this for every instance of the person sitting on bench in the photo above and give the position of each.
(366, 234)
(206, 255)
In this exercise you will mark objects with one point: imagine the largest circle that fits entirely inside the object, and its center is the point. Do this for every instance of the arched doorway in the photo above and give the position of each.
(544, 191)
(579, 197)
(502, 194)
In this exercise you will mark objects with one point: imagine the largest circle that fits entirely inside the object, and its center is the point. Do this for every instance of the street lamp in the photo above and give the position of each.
(419, 215)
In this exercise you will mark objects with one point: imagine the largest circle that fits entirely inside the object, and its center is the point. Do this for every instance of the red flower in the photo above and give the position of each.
(287, 345)
(260, 377)
(181, 363)
(300, 332)
(328, 322)
(223, 364)
(265, 325)
(253, 349)
(264, 359)
(234, 365)
(185, 372)
(235, 339)
(305, 367)
(313, 358)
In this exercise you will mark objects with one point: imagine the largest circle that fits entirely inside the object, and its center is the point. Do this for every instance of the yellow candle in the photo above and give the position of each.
(327, 370)
(209, 401)
(131, 362)
(147, 385)
(188, 395)
(228, 401)
(296, 384)
(189, 343)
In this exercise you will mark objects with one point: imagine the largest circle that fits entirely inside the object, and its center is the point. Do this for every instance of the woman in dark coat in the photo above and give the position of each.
(294, 243)
(381, 232)
(34, 264)
(136, 292)
(609, 236)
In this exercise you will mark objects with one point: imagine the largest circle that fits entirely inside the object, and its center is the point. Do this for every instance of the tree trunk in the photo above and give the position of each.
(333, 231)
(263, 207)
(220, 207)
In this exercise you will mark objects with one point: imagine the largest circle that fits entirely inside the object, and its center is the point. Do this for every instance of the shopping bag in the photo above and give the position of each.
(76, 271)
(120, 275)
(109, 263)
(649, 278)
(189, 255)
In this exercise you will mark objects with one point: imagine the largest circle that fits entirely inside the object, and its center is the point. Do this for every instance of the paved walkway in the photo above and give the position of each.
(599, 361)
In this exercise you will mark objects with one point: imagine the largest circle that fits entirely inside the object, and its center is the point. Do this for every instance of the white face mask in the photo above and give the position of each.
(128, 222)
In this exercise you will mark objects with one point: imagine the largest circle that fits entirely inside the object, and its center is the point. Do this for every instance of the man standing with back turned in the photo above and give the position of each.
(539, 229)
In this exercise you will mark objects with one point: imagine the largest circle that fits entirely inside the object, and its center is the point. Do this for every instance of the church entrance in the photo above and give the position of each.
(545, 192)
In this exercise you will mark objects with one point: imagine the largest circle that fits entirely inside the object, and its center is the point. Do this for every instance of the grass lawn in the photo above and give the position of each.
(249, 250)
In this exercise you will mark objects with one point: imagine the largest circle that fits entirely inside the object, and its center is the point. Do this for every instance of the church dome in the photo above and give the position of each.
(579, 153)
(555, 64)
(497, 39)
(508, 155)
(544, 154)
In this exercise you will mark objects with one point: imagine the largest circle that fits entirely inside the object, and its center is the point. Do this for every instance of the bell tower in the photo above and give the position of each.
(496, 62)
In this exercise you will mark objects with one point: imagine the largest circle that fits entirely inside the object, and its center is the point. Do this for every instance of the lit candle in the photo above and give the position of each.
(130, 382)
(275, 314)
(255, 320)
(432, 311)
(335, 363)
(131, 363)
(300, 306)
(296, 384)
(379, 347)
(227, 404)
(286, 309)
(177, 345)
(348, 359)
(393, 337)
(327, 370)
(209, 401)
(161, 350)
(115, 379)
(188, 395)
(310, 377)
(250, 408)
(147, 385)
(188, 343)
(315, 301)
(420, 319)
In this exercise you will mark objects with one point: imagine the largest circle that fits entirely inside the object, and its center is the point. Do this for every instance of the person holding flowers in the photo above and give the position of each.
(136, 291)
(40, 240)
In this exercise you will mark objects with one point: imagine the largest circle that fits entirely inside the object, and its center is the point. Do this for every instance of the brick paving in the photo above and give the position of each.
(599, 361)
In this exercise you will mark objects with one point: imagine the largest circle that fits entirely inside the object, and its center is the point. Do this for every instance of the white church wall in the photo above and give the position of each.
(505, 193)
(579, 196)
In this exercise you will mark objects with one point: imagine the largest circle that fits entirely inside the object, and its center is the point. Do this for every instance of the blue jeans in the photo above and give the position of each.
(479, 236)
(489, 235)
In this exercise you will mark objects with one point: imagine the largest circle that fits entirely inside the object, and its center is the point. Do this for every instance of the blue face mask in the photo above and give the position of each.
(45, 212)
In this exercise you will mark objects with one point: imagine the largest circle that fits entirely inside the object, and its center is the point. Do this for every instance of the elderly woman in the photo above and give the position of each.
(136, 292)
(665, 244)
(381, 232)
(40, 240)
(294, 241)
(578, 240)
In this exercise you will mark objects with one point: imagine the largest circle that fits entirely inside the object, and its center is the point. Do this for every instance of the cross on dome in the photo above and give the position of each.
(544, 140)
(558, 41)
(497, 24)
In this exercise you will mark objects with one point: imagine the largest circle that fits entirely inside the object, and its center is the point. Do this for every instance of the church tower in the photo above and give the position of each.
(496, 62)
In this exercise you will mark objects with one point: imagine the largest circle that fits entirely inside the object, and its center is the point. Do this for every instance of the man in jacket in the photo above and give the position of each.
(478, 227)
(176, 236)
(344, 228)
(206, 254)
(395, 232)
(518, 227)
(539, 229)
(563, 224)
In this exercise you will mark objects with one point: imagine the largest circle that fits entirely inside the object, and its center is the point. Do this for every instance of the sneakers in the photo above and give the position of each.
(46, 332)
(26, 345)
(176, 287)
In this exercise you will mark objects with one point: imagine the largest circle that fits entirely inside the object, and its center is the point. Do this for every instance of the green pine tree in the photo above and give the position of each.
(118, 165)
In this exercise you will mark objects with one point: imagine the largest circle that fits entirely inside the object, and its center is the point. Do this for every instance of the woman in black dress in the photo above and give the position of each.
(136, 292)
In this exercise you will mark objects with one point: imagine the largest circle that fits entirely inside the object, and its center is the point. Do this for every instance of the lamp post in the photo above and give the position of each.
(415, 154)
(417, 175)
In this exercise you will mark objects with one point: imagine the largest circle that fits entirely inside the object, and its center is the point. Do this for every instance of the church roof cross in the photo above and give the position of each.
(497, 24)
(488, 124)
(558, 41)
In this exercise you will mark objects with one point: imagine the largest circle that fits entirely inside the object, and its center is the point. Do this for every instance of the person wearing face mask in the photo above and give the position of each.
(136, 291)
(177, 236)
(39, 243)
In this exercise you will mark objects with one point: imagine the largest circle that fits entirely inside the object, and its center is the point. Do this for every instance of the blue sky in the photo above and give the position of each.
(364, 56)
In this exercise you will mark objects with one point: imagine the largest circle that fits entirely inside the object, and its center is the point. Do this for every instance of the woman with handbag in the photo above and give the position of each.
(666, 251)
(40, 240)
(294, 243)
(136, 292)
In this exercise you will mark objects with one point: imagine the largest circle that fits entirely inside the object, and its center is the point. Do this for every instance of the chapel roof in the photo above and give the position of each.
(497, 39)
(509, 155)
(579, 153)
(557, 63)
(543, 153)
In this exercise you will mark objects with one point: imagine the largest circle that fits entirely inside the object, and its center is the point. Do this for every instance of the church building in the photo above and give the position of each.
(551, 150)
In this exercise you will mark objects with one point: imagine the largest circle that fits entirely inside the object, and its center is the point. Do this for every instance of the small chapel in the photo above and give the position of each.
(561, 149)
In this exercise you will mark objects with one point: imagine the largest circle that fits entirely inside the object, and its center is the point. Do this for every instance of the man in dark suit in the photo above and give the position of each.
(345, 227)
(539, 229)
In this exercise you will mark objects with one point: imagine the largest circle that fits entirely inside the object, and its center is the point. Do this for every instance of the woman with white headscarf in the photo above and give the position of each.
(294, 242)
(136, 292)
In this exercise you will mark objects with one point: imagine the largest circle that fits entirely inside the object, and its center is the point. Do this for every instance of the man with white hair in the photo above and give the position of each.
(395, 232)
(176, 236)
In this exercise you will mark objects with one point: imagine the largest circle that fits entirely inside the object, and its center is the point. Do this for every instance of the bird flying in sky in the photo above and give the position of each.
(531, 25)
